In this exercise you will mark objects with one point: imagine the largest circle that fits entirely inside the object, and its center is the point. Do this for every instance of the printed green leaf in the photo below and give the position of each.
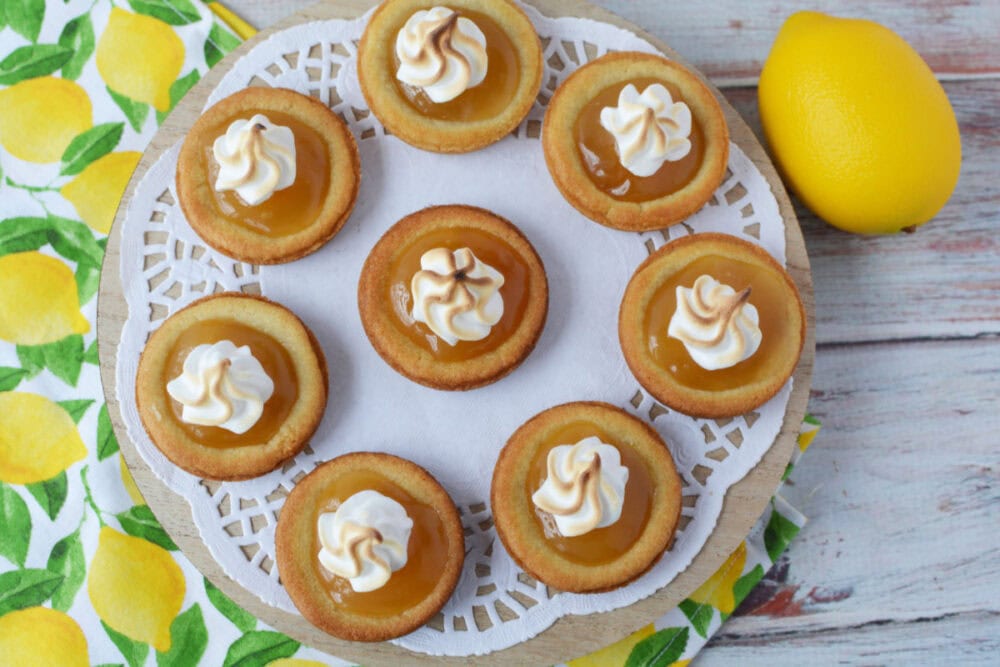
(90, 145)
(11, 377)
(243, 620)
(75, 241)
(110, 664)
(64, 358)
(134, 652)
(174, 12)
(67, 559)
(139, 521)
(77, 408)
(809, 419)
(90, 356)
(746, 583)
(135, 112)
(25, 17)
(179, 89)
(88, 280)
(23, 234)
(20, 589)
(27, 62)
(258, 648)
(77, 35)
(659, 649)
(107, 443)
(50, 494)
(188, 639)
(700, 615)
(219, 43)
(778, 534)
(15, 526)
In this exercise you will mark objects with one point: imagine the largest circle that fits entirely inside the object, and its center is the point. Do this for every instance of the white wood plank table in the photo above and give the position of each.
(900, 561)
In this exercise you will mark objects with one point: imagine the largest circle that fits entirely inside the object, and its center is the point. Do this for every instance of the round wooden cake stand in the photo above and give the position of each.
(570, 636)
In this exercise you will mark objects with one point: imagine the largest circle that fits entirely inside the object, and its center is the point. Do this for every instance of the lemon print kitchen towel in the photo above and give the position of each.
(87, 574)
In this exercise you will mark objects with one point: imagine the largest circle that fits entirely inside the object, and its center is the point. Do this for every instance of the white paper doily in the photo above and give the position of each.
(166, 266)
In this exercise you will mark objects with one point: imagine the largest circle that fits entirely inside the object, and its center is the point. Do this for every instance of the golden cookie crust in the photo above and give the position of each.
(195, 190)
(417, 363)
(377, 78)
(646, 282)
(295, 539)
(513, 511)
(254, 459)
(570, 175)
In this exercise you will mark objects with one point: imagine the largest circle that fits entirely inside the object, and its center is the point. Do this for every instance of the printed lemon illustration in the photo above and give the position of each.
(140, 57)
(717, 591)
(130, 488)
(41, 637)
(615, 654)
(136, 587)
(97, 191)
(859, 126)
(38, 300)
(38, 439)
(39, 117)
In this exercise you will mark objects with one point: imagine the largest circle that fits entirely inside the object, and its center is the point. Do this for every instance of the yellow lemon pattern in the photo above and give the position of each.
(38, 300)
(615, 654)
(717, 591)
(95, 193)
(135, 587)
(39, 117)
(145, 79)
(41, 637)
(38, 438)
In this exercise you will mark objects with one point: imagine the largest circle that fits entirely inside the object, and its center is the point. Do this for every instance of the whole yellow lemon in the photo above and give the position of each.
(41, 637)
(39, 117)
(38, 300)
(860, 128)
(140, 57)
(38, 438)
(135, 587)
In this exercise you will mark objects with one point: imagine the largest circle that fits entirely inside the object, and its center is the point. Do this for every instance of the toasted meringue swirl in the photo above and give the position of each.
(222, 385)
(456, 295)
(649, 129)
(365, 540)
(256, 158)
(717, 324)
(584, 487)
(442, 53)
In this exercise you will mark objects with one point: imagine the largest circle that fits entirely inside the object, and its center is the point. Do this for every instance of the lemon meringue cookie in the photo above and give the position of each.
(256, 158)
(584, 487)
(442, 53)
(222, 385)
(718, 325)
(456, 295)
(365, 540)
(450, 78)
(649, 128)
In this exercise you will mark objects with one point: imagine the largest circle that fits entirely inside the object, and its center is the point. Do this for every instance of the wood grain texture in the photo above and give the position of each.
(902, 490)
(570, 635)
(729, 39)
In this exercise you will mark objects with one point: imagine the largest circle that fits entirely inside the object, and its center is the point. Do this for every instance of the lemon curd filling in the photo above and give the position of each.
(273, 357)
(427, 550)
(489, 249)
(601, 545)
(768, 295)
(597, 152)
(482, 102)
(291, 209)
